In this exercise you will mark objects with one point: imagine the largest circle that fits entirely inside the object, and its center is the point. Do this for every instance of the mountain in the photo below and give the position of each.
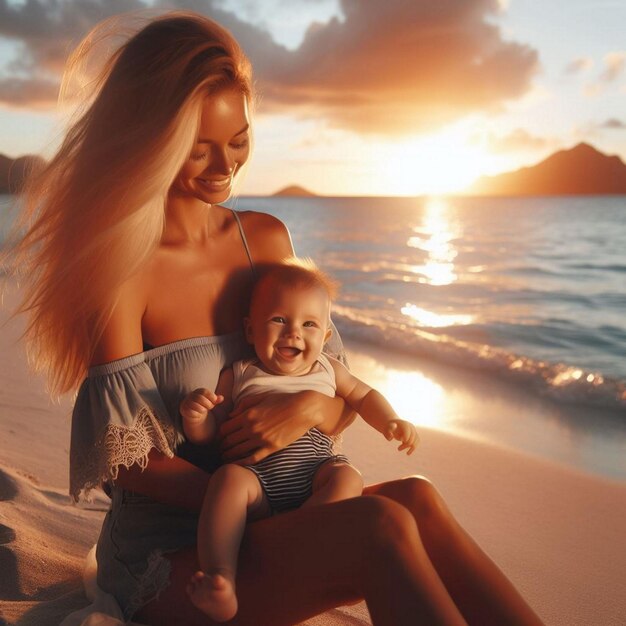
(294, 190)
(581, 170)
(13, 172)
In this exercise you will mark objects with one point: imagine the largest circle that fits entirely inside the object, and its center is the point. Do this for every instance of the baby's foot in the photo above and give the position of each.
(213, 594)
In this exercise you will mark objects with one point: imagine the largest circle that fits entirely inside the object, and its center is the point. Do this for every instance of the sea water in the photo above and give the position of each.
(531, 290)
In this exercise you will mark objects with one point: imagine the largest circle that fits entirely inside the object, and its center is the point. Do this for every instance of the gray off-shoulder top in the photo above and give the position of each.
(127, 407)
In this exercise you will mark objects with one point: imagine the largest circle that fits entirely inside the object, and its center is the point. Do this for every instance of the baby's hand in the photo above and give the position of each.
(198, 403)
(404, 432)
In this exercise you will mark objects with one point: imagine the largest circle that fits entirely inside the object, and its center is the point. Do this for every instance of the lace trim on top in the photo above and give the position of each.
(122, 445)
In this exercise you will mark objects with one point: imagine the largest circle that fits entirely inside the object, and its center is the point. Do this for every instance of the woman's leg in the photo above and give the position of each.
(234, 494)
(481, 591)
(302, 563)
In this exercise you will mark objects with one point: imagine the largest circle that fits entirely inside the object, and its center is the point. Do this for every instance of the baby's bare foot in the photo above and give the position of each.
(213, 594)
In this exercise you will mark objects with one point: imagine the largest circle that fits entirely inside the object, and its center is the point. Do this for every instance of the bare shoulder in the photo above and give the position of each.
(122, 334)
(267, 236)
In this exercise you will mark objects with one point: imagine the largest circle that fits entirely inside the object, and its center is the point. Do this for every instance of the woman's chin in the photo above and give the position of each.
(206, 197)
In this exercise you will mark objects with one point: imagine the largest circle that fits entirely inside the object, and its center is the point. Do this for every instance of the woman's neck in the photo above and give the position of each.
(191, 221)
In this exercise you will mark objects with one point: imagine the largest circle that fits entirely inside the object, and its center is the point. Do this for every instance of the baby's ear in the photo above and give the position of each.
(247, 324)
(329, 332)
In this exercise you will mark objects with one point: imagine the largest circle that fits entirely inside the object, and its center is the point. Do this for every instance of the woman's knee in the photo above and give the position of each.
(386, 525)
(421, 497)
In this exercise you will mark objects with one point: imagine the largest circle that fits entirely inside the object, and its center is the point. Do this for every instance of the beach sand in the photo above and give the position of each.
(557, 532)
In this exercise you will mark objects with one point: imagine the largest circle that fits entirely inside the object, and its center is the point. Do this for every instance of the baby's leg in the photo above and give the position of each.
(334, 481)
(234, 495)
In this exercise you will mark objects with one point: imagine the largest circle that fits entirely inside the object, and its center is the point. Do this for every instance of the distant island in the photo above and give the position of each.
(14, 171)
(294, 190)
(581, 170)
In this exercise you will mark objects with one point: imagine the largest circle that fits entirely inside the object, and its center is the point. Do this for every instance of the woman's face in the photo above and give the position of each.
(223, 146)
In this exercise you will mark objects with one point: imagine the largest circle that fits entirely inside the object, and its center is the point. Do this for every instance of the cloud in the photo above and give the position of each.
(613, 124)
(579, 65)
(33, 92)
(393, 67)
(614, 63)
(45, 32)
(518, 140)
(593, 90)
(398, 67)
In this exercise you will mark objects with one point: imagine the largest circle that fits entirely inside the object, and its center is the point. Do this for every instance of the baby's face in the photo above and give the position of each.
(288, 327)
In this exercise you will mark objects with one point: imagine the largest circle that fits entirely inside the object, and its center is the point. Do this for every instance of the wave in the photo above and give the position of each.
(598, 267)
(563, 383)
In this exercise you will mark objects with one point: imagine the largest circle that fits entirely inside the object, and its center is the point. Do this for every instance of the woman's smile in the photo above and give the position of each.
(217, 184)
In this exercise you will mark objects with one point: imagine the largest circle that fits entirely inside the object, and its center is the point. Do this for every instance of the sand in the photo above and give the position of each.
(557, 532)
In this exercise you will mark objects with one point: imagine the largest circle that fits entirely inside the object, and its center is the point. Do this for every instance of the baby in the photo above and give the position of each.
(288, 326)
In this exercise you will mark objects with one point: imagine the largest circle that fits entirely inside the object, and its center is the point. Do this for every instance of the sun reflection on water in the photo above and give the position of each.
(435, 320)
(435, 236)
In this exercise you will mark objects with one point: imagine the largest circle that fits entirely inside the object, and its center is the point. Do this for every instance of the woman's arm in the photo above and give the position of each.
(172, 481)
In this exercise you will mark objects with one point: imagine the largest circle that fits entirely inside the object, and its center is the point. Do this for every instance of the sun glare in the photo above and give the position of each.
(416, 398)
(436, 164)
(413, 395)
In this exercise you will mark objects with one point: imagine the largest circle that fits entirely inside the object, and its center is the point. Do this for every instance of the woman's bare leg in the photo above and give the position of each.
(482, 592)
(234, 494)
(300, 564)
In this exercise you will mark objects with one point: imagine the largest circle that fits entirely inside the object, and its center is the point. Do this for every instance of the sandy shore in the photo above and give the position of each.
(556, 532)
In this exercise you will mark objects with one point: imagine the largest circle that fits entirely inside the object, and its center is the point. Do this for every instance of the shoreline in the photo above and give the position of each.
(485, 408)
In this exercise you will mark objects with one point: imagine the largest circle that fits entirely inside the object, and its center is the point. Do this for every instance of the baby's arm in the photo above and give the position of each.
(197, 409)
(374, 408)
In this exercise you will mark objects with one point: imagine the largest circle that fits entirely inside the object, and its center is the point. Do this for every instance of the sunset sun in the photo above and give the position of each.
(441, 163)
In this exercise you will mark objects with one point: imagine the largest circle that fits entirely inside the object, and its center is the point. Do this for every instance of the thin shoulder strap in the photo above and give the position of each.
(245, 241)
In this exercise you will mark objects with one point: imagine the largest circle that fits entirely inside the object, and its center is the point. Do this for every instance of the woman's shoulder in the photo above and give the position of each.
(267, 236)
(261, 221)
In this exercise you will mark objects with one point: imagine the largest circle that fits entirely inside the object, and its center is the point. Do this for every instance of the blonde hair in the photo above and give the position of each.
(96, 213)
(294, 273)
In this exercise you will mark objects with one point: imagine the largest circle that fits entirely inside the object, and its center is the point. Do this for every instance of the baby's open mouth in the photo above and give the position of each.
(288, 351)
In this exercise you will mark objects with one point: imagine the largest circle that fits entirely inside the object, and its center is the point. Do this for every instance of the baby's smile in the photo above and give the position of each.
(288, 351)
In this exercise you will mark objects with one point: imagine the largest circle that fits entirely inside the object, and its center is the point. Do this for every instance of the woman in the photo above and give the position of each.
(139, 278)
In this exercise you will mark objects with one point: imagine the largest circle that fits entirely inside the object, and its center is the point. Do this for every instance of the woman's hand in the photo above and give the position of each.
(263, 424)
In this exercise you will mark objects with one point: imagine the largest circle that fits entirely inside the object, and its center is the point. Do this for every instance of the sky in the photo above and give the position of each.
(369, 97)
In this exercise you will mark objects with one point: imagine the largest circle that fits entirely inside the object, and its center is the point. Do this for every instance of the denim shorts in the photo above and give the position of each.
(136, 533)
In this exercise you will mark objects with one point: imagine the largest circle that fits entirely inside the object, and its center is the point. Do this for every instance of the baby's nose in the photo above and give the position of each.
(292, 330)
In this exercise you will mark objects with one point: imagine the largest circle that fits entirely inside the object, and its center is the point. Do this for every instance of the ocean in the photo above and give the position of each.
(529, 290)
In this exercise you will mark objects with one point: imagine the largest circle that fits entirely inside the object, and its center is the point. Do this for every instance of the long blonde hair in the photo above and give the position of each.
(96, 213)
